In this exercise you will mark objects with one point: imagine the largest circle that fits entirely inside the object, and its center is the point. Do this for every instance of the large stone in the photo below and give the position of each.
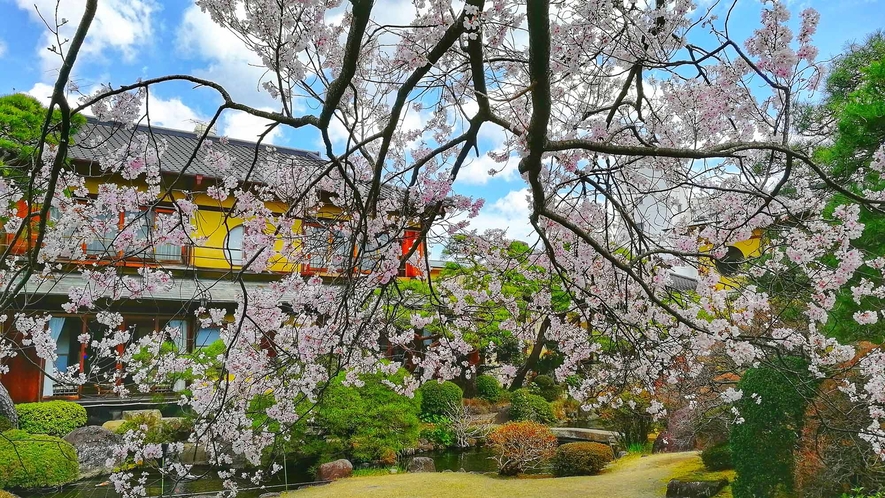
(694, 489)
(335, 470)
(113, 425)
(421, 464)
(95, 450)
(7, 407)
(194, 454)
(130, 414)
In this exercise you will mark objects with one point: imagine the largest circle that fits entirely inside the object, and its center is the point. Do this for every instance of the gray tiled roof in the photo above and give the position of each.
(96, 138)
(681, 282)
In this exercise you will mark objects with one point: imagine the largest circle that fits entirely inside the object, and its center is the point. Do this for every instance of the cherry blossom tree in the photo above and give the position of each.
(609, 107)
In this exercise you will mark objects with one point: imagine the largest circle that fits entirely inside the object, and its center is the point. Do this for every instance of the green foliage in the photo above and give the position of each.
(438, 398)
(5, 424)
(546, 387)
(581, 459)
(56, 418)
(855, 101)
(35, 460)
(527, 406)
(640, 448)
(21, 124)
(367, 423)
(157, 430)
(717, 457)
(762, 446)
(439, 432)
(861, 493)
(488, 388)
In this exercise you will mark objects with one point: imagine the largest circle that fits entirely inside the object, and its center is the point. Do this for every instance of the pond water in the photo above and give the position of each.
(471, 460)
(208, 483)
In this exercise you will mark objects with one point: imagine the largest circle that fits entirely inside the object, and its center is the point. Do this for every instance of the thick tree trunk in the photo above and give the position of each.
(7, 408)
(533, 357)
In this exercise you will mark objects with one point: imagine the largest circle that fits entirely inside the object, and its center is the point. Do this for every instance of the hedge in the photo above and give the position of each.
(762, 446)
(437, 398)
(581, 459)
(371, 423)
(35, 460)
(488, 388)
(527, 406)
(546, 387)
(717, 457)
(55, 418)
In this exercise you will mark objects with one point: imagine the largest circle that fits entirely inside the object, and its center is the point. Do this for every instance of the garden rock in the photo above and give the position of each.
(7, 408)
(95, 447)
(335, 470)
(695, 489)
(130, 414)
(113, 425)
(421, 464)
(194, 454)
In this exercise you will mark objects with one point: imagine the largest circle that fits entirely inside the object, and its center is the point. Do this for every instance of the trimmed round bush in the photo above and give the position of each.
(55, 418)
(717, 457)
(546, 387)
(520, 446)
(581, 459)
(488, 388)
(438, 398)
(35, 460)
(527, 406)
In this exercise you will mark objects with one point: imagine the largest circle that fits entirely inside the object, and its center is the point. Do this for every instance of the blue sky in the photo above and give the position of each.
(133, 39)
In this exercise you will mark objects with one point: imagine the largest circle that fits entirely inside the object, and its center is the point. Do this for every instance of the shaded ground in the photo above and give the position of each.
(631, 478)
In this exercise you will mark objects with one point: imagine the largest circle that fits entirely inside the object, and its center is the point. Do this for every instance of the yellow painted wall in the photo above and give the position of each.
(213, 224)
(750, 248)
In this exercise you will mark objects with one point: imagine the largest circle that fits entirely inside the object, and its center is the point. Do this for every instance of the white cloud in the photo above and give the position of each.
(173, 113)
(121, 25)
(230, 61)
(2, 48)
(244, 126)
(510, 213)
(476, 172)
(41, 92)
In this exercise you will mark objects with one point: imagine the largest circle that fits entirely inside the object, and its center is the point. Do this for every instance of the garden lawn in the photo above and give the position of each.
(694, 470)
(635, 478)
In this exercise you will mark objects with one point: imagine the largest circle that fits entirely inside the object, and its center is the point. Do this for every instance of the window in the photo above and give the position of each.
(206, 337)
(730, 263)
(326, 247)
(233, 246)
(373, 250)
(105, 228)
(166, 252)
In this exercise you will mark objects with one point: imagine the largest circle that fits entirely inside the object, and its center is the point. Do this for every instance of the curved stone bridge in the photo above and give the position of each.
(578, 434)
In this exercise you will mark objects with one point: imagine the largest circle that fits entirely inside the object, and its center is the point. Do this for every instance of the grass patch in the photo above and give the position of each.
(694, 470)
(375, 471)
(640, 480)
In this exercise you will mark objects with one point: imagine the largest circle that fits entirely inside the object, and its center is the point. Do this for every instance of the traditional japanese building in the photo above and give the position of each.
(204, 273)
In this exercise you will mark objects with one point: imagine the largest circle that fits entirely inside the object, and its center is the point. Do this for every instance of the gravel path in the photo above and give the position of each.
(636, 478)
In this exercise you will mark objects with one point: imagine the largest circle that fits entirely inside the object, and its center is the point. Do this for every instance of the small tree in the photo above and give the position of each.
(772, 406)
(521, 446)
(462, 427)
